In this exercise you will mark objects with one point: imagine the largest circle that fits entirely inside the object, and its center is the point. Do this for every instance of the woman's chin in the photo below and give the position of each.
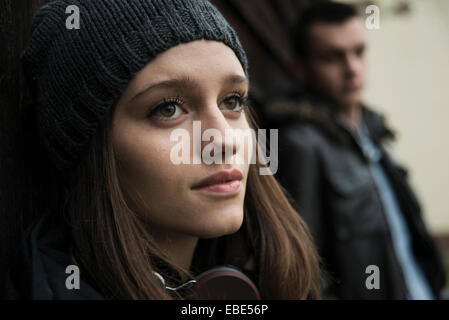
(221, 226)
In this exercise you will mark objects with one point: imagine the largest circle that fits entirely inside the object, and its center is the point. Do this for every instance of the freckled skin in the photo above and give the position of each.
(143, 145)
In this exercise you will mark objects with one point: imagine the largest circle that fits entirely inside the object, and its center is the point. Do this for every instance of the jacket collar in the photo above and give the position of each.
(319, 112)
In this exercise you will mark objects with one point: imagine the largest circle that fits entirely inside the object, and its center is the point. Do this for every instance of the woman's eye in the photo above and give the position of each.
(234, 103)
(166, 111)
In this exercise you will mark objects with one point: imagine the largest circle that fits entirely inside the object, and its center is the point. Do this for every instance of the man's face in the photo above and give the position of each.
(335, 64)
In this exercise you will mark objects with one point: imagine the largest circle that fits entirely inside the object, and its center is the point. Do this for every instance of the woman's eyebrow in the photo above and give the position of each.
(184, 83)
(167, 84)
(235, 79)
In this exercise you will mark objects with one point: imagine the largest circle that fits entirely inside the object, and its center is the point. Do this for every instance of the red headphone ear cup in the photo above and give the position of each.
(223, 283)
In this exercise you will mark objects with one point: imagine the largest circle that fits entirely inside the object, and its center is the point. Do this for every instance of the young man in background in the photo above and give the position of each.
(364, 217)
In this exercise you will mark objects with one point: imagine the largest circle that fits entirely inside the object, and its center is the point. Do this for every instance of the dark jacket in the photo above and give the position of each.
(38, 271)
(326, 172)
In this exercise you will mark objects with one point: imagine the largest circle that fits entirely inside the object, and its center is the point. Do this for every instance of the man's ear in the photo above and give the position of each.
(296, 65)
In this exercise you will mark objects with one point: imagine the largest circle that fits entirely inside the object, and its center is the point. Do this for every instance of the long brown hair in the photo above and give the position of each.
(113, 247)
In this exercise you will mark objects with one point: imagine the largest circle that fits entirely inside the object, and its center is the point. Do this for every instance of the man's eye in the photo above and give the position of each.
(360, 51)
(167, 110)
(329, 57)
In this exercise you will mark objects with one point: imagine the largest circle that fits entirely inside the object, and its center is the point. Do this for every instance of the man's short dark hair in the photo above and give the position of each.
(325, 11)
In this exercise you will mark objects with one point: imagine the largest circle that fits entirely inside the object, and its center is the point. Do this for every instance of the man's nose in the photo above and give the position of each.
(352, 64)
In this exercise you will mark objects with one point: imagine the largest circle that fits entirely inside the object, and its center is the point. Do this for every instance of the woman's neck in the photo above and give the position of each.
(179, 247)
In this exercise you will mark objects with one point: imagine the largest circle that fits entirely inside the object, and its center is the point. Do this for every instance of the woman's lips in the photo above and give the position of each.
(226, 189)
(222, 183)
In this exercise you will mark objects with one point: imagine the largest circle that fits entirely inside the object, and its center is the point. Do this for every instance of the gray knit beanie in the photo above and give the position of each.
(77, 75)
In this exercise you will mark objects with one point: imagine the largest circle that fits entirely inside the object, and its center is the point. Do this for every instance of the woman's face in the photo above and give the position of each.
(198, 81)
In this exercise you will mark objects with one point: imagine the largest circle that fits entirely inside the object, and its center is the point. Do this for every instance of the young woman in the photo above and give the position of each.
(108, 97)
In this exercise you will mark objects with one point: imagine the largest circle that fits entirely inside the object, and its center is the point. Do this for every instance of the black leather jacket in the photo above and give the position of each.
(325, 170)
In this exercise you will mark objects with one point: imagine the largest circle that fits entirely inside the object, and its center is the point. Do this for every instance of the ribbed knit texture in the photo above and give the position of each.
(77, 75)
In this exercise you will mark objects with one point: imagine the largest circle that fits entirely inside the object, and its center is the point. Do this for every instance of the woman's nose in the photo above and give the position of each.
(218, 130)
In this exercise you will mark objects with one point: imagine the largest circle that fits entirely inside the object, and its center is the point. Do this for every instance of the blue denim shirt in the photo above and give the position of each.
(418, 287)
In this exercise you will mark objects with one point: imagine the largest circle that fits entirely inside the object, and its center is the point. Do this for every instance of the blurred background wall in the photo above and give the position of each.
(264, 28)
